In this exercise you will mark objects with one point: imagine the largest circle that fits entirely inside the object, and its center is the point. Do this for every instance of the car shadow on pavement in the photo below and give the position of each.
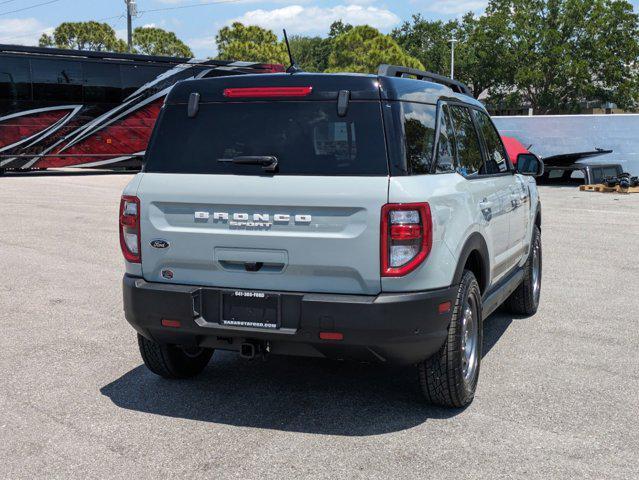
(291, 394)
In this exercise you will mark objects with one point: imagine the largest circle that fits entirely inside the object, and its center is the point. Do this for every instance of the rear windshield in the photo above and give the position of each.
(307, 138)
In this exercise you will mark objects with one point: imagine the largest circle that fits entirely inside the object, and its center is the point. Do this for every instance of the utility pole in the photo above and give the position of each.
(131, 11)
(452, 42)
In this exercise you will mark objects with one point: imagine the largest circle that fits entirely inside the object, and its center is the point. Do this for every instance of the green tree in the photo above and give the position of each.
(250, 43)
(311, 53)
(363, 48)
(478, 50)
(156, 41)
(560, 53)
(95, 36)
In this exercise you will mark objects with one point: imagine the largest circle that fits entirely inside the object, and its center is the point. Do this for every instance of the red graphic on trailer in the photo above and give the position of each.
(88, 136)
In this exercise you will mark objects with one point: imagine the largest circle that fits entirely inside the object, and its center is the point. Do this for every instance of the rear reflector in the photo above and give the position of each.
(171, 323)
(267, 92)
(331, 336)
(445, 307)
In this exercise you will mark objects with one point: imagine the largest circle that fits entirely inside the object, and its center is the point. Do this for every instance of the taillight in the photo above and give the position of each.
(130, 228)
(406, 237)
(267, 92)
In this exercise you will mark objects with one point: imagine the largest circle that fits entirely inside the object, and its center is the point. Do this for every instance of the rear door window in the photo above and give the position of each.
(469, 156)
(446, 145)
(419, 134)
(307, 138)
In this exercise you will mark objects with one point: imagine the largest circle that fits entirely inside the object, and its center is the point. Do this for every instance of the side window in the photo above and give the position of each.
(134, 76)
(419, 132)
(57, 80)
(446, 146)
(496, 161)
(469, 157)
(15, 79)
(101, 82)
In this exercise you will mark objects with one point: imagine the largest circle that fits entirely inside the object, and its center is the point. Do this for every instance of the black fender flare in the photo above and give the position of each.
(474, 242)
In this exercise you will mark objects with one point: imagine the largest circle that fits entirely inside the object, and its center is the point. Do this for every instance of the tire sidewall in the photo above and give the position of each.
(468, 288)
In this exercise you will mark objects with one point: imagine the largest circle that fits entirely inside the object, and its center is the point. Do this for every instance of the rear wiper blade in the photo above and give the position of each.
(267, 162)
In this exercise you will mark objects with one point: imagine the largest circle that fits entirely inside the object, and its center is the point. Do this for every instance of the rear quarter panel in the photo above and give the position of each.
(454, 221)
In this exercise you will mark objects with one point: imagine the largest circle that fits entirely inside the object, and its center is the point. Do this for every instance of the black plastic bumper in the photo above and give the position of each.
(397, 328)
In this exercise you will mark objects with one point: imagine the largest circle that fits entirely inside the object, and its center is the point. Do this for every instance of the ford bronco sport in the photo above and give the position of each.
(368, 217)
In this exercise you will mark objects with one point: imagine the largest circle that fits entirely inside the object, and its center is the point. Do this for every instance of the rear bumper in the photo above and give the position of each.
(395, 328)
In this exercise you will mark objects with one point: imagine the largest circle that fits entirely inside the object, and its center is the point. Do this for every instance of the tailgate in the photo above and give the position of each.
(289, 233)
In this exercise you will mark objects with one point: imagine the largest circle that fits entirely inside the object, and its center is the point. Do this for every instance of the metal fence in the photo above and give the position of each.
(553, 135)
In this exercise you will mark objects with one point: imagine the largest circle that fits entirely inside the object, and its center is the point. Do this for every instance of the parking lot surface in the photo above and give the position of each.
(558, 395)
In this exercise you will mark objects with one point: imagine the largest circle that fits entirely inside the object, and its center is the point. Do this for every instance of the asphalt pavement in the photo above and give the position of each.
(558, 395)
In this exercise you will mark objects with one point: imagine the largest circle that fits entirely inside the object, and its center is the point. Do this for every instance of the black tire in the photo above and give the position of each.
(172, 361)
(443, 379)
(525, 300)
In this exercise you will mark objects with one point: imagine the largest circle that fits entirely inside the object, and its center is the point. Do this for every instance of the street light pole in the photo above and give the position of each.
(452, 41)
(131, 11)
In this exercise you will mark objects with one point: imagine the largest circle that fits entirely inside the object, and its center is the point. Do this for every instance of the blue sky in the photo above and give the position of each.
(199, 21)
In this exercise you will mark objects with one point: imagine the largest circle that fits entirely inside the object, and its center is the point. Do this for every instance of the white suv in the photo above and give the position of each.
(368, 217)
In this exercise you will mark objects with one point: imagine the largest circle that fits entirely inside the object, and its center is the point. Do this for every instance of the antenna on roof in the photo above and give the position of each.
(294, 68)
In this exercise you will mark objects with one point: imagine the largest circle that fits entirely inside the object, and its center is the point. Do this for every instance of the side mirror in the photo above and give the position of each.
(530, 164)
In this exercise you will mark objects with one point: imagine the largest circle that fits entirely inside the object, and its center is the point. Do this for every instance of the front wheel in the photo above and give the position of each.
(173, 361)
(449, 378)
(525, 300)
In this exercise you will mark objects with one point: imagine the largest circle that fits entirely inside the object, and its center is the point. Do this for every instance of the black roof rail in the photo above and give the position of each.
(90, 54)
(397, 71)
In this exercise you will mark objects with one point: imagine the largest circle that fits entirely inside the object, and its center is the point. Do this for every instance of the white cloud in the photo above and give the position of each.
(22, 31)
(203, 46)
(299, 19)
(455, 7)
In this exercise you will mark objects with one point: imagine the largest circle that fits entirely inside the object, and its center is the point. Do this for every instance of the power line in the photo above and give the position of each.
(192, 5)
(7, 1)
(28, 8)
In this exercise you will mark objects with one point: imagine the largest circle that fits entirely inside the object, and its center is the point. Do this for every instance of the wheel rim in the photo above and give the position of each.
(469, 340)
(536, 271)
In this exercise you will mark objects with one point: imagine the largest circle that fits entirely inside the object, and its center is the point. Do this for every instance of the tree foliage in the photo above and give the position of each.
(550, 54)
(250, 43)
(563, 52)
(94, 36)
(156, 41)
(100, 37)
(312, 53)
(363, 48)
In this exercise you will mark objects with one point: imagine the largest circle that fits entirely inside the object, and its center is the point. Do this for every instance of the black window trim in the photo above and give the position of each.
(455, 102)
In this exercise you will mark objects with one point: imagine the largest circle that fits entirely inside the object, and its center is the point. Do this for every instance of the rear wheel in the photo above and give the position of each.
(173, 361)
(525, 300)
(449, 378)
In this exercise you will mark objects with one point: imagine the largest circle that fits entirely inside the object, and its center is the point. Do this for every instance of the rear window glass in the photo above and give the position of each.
(307, 138)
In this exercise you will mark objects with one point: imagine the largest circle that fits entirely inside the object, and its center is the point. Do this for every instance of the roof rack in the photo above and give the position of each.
(397, 71)
(90, 54)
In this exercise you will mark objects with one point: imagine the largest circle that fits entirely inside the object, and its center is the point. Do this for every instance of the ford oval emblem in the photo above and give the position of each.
(159, 244)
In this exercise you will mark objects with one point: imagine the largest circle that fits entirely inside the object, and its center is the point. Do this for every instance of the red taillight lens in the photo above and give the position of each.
(267, 92)
(130, 228)
(406, 237)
